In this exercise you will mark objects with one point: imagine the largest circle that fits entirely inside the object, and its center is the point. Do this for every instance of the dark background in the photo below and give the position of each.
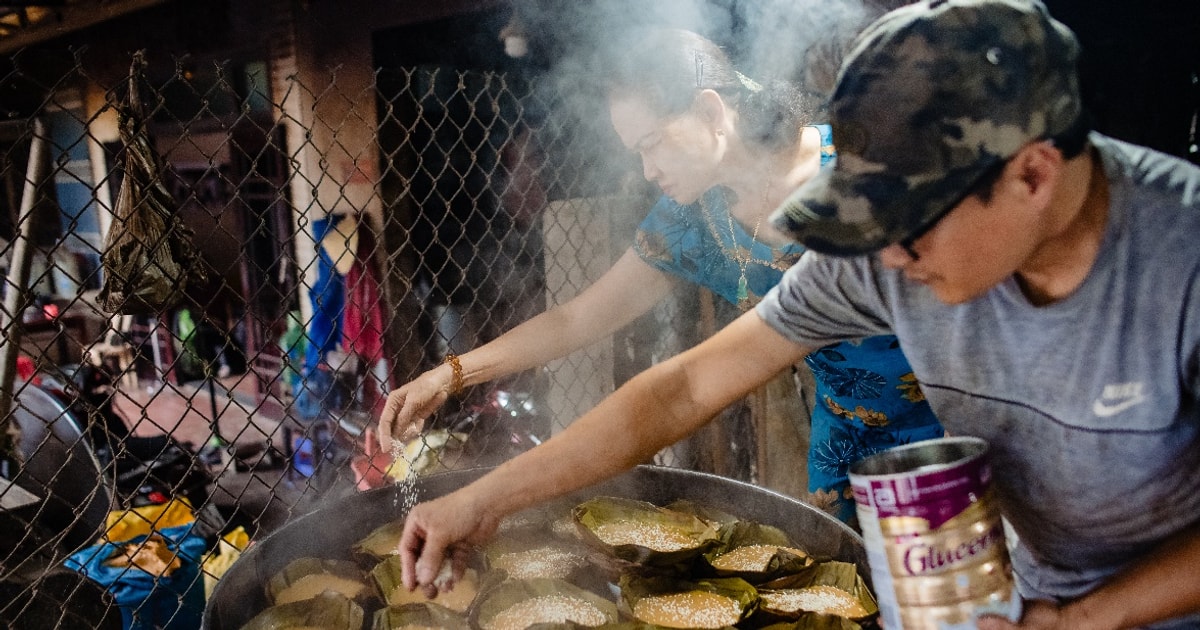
(1139, 68)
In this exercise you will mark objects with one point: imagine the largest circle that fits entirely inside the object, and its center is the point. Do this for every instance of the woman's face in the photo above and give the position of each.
(680, 153)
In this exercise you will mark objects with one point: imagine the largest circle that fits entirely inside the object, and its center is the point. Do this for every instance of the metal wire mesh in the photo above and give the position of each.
(344, 253)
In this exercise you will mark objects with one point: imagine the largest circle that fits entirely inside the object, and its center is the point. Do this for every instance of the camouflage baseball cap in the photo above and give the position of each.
(929, 98)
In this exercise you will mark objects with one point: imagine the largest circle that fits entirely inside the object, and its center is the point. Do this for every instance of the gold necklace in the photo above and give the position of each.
(743, 289)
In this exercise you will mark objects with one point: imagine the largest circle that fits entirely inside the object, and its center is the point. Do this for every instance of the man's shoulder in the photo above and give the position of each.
(1151, 192)
(1149, 168)
(865, 268)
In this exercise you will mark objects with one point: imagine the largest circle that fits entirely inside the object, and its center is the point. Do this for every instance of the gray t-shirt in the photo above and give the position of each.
(1091, 404)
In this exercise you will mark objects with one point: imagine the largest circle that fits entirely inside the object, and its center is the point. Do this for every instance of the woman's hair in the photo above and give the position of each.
(669, 66)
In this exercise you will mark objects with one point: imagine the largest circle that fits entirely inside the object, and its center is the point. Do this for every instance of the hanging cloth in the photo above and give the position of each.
(362, 326)
(149, 259)
(318, 392)
(328, 297)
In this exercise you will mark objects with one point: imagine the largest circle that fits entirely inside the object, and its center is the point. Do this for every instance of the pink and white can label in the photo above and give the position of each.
(934, 538)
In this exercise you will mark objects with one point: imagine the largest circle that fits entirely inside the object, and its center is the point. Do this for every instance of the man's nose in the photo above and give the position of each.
(894, 256)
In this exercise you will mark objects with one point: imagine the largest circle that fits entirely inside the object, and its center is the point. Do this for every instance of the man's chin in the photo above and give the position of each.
(952, 296)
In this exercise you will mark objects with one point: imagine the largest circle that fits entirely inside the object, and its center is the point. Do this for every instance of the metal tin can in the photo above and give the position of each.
(933, 535)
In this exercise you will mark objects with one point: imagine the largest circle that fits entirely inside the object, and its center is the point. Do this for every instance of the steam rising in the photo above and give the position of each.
(767, 39)
(798, 41)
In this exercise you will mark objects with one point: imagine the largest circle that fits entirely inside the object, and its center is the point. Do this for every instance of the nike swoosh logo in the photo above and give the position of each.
(1104, 410)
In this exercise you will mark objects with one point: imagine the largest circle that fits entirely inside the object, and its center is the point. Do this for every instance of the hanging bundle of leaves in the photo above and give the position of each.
(149, 259)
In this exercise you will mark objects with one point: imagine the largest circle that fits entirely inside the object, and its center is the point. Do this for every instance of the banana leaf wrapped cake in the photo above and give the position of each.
(606, 562)
(757, 553)
(830, 588)
(529, 558)
(642, 536)
(552, 519)
(328, 610)
(305, 578)
(519, 604)
(419, 616)
(679, 603)
(382, 542)
(387, 577)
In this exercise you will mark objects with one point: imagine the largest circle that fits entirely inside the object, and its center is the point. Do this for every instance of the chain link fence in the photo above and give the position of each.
(142, 450)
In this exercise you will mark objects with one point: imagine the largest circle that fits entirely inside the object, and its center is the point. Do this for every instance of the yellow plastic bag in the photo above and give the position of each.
(218, 561)
(142, 521)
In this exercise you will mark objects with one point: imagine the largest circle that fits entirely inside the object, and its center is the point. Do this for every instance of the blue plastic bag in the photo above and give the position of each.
(320, 394)
(151, 602)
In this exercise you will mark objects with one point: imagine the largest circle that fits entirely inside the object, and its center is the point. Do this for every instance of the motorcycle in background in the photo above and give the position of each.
(144, 470)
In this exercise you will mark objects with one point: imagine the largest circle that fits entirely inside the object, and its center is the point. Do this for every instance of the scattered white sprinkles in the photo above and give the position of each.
(750, 557)
(540, 562)
(548, 609)
(651, 535)
(407, 485)
(693, 609)
(822, 599)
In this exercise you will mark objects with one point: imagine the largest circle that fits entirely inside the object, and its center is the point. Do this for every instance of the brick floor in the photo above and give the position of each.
(185, 411)
(264, 494)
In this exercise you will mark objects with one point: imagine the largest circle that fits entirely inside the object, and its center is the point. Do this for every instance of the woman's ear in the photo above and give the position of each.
(711, 108)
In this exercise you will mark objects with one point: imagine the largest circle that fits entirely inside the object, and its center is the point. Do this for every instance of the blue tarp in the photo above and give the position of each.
(317, 391)
(328, 297)
(151, 602)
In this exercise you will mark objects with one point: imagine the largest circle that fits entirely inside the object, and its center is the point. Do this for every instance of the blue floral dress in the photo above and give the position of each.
(867, 398)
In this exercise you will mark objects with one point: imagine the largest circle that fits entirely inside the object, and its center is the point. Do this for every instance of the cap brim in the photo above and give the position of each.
(852, 214)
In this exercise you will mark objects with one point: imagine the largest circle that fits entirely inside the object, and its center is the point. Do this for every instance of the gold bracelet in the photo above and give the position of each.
(456, 381)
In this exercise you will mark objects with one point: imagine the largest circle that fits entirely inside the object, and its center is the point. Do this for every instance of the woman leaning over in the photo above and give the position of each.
(725, 151)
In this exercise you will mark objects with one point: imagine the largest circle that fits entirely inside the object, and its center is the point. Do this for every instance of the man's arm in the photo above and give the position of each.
(1163, 585)
(653, 410)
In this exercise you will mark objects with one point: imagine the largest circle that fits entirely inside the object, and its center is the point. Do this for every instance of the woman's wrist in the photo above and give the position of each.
(453, 382)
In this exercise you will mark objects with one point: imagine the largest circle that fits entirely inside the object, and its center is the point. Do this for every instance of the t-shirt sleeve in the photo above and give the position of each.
(1191, 337)
(658, 240)
(826, 299)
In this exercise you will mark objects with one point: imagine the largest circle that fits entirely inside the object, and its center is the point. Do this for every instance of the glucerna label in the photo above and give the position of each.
(934, 538)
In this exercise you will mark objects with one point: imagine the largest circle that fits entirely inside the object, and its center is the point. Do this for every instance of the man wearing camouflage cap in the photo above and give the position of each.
(1044, 282)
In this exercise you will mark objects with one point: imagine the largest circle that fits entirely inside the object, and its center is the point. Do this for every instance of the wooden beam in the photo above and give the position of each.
(72, 17)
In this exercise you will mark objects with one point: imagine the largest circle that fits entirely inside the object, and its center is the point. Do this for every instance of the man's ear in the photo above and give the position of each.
(1037, 167)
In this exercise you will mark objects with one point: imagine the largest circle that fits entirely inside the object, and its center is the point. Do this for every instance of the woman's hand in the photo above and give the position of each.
(410, 404)
(441, 530)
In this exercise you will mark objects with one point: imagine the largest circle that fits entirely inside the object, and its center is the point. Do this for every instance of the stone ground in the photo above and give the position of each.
(255, 485)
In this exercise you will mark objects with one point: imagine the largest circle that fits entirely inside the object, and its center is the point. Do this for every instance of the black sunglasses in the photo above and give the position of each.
(985, 178)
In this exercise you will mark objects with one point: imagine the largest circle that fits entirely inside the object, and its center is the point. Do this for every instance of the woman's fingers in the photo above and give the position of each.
(417, 552)
(406, 408)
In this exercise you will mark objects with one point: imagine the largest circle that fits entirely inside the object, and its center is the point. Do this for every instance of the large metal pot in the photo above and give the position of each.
(60, 468)
(331, 530)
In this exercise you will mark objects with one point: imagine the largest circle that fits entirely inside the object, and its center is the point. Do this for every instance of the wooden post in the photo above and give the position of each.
(16, 293)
